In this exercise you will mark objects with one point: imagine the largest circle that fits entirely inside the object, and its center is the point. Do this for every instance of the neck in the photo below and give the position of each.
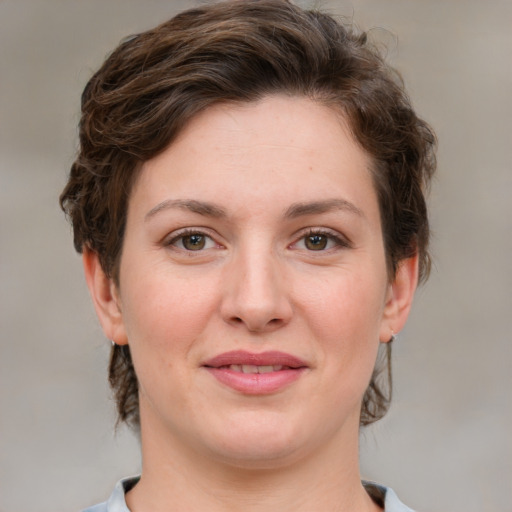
(177, 478)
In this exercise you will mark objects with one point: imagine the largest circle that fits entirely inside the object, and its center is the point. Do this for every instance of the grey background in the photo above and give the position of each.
(446, 444)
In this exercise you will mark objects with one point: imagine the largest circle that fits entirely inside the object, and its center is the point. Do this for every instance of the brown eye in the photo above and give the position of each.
(194, 242)
(316, 242)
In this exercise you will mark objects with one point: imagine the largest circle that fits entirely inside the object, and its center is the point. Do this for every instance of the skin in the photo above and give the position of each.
(257, 284)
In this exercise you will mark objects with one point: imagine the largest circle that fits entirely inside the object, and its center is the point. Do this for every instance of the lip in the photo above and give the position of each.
(258, 359)
(256, 383)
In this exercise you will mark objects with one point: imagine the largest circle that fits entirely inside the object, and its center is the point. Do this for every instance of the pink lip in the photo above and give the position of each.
(256, 383)
(262, 359)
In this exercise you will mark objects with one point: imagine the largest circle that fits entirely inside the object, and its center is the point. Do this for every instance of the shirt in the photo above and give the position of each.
(384, 496)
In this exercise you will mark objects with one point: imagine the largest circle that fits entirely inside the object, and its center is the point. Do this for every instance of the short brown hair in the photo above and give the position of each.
(240, 51)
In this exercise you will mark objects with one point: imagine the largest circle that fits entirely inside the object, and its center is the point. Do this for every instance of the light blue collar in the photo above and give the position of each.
(117, 501)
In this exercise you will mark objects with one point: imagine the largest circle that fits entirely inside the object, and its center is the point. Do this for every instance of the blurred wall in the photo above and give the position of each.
(446, 444)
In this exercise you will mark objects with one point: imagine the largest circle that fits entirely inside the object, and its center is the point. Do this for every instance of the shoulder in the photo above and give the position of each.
(101, 507)
(116, 502)
(393, 504)
(385, 497)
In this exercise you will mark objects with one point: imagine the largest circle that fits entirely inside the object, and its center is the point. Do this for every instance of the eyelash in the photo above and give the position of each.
(339, 241)
(188, 233)
(330, 236)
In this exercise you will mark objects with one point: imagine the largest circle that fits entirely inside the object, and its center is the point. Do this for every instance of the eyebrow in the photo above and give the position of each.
(294, 211)
(200, 207)
(315, 207)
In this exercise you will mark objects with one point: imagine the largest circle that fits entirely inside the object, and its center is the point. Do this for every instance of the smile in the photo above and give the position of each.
(251, 368)
(256, 374)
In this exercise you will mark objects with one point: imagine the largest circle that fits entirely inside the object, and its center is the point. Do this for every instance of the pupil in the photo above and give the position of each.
(316, 242)
(194, 242)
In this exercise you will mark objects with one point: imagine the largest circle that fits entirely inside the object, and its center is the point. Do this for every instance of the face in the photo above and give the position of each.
(253, 287)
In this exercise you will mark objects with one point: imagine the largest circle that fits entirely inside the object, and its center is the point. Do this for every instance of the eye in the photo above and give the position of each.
(320, 241)
(192, 241)
(316, 242)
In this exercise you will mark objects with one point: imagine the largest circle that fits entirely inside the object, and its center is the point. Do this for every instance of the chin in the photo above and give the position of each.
(257, 441)
(263, 456)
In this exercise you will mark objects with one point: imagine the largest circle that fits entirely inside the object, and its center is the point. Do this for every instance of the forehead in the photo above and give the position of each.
(272, 122)
(279, 143)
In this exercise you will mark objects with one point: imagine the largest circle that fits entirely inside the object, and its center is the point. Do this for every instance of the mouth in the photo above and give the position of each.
(237, 360)
(251, 368)
(256, 374)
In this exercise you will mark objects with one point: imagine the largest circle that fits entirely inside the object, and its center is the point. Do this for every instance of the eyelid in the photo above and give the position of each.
(341, 240)
(170, 239)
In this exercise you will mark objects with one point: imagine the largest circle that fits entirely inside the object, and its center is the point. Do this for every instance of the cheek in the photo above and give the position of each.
(348, 306)
(166, 313)
(163, 326)
(345, 316)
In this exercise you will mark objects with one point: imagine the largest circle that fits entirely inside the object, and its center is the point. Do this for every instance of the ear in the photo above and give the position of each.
(105, 297)
(399, 298)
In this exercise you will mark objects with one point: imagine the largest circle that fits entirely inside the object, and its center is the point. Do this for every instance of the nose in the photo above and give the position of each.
(255, 294)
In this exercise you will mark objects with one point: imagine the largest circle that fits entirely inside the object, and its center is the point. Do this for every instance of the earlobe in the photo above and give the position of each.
(399, 300)
(105, 298)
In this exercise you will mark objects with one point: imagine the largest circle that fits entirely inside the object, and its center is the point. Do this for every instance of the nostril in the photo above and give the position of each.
(257, 326)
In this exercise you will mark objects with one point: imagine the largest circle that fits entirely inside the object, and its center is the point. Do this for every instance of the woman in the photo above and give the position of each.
(249, 201)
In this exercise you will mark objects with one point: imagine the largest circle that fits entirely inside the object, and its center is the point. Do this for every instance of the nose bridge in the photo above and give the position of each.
(256, 295)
